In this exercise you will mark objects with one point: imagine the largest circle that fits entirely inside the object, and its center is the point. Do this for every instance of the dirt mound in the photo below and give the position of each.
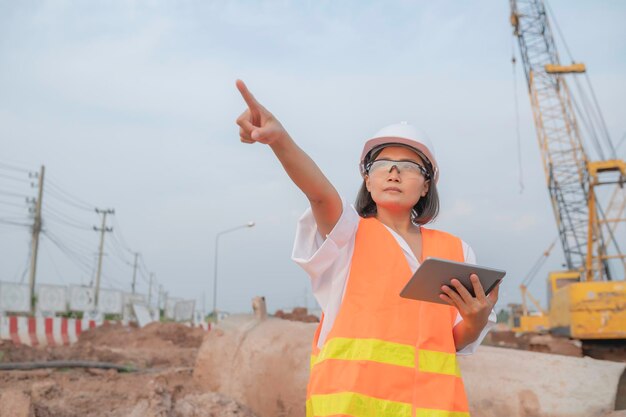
(156, 345)
(297, 314)
(153, 334)
(544, 343)
(164, 353)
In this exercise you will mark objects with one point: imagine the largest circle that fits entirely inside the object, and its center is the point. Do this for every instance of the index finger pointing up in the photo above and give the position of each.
(247, 96)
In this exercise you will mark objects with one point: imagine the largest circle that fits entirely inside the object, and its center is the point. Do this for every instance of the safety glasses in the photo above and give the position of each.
(408, 168)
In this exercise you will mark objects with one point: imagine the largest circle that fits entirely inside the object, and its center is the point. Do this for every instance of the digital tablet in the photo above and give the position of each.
(425, 285)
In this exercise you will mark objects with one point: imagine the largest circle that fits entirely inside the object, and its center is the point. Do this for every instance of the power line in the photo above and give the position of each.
(66, 220)
(7, 203)
(7, 231)
(69, 212)
(78, 256)
(59, 221)
(117, 230)
(79, 244)
(118, 264)
(145, 271)
(8, 177)
(110, 279)
(13, 194)
(75, 257)
(54, 265)
(16, 212)
(62, 199)
(16, 217)
(25, 269)
(4, 165)
(14, 223)
(21, 280)
(119, 248)
(71, 199)
(116, 251)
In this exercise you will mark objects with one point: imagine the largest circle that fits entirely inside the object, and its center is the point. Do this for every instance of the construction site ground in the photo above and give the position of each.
(163, 385)
(164, 353)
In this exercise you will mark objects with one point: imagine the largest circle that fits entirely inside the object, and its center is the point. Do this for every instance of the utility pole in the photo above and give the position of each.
(102, 230)
(165, 295)
(150, 289)
(35, 241)
(135, 272)
(217, 241)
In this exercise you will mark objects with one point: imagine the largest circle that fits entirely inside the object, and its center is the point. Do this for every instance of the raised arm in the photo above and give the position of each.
(257, 124)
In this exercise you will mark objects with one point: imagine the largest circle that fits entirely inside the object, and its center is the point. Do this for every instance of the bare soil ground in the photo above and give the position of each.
(164, 353)
(297, 314)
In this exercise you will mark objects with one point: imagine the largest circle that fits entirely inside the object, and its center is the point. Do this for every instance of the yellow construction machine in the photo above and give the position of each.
(585, 179)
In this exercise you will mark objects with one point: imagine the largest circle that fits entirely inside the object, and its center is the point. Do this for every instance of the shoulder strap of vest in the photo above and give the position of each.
(438, 244)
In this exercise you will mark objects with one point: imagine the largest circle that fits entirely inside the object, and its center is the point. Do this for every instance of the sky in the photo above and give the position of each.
(131, 105)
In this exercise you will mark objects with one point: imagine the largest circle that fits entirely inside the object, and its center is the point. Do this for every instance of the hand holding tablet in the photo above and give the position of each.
(426, 283)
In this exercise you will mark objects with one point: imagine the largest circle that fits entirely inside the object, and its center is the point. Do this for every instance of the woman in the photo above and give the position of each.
(374, 353)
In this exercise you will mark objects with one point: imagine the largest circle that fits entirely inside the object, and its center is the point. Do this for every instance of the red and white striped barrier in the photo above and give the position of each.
(43, 331)
(50, 331)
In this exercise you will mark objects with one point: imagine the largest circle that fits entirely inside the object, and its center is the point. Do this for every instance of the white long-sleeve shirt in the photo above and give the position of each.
(327, 262)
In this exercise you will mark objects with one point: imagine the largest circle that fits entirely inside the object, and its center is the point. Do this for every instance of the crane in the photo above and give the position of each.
(521, 319)
(588, 300)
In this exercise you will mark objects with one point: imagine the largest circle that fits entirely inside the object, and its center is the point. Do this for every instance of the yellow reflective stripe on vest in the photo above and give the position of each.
(423, 412)
(356, 405)
(313, 360)
(368, 350)
(438, 362)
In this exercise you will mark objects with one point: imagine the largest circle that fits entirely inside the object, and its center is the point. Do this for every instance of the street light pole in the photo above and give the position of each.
(217, 239)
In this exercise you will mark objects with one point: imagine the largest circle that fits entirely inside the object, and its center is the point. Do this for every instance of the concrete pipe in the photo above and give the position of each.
(507, 382)
(264, 364)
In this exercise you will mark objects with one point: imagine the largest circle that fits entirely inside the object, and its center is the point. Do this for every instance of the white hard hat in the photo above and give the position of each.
(404, 134)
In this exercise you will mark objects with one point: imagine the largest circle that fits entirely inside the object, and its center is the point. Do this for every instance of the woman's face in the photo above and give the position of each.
(393, 189)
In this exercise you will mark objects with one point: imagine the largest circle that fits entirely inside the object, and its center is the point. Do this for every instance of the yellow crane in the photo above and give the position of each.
(587, 301)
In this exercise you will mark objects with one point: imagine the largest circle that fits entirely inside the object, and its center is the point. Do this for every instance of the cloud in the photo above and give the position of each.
(132, 105)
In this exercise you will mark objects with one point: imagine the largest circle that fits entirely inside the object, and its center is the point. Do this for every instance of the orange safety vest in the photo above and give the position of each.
(388, 356)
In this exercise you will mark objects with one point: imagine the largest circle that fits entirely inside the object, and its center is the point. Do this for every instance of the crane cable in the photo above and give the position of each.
(517, 123)
(595, 107)
(532, 273)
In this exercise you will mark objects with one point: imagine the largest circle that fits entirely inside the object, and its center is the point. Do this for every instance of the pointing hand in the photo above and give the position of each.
(257, 124)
